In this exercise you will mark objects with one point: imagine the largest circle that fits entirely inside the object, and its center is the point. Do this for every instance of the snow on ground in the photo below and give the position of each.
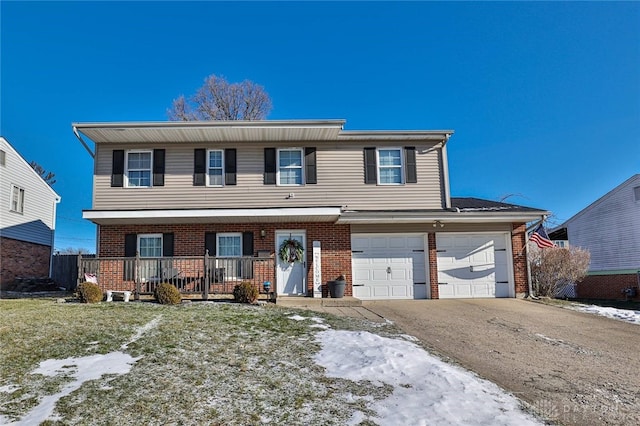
(81, 369)
(615, 313)
(426, 390)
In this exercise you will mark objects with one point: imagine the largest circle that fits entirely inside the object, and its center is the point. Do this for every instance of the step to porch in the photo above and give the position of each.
(303, 301)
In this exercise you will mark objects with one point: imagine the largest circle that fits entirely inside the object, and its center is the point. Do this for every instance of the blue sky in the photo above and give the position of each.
(544, 97)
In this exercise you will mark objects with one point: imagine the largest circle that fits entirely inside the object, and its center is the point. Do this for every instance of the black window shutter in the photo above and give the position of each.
(199, 166)
(310, 165)
(230, 166)
(130, 248)
(210, 243)
(411, 174)
(247, 243)
(167, 245)
(370, 168)
(247, 250)
(269, 166)
(117, 168)
(158, 167)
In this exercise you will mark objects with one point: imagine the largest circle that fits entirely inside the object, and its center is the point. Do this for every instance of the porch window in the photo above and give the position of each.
(215, 168)
(290, 167)
(138, 171)
(150, 245)
(390, 166)
(229, 245)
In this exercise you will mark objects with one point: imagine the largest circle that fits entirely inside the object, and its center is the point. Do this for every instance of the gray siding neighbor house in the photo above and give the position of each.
(27, 218)
(610, 229)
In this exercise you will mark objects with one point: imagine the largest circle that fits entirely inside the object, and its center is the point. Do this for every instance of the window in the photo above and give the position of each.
(229, 245)
(3, 157)
(390, 166)
(636, 193)
(17, 199)
(215, 170)
(290, 166)
(138, 168)
(150, 245)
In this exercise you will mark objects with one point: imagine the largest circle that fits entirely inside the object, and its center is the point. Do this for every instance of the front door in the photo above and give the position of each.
(291, 278)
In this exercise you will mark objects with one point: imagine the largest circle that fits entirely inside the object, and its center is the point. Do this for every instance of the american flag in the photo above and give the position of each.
(540, 237)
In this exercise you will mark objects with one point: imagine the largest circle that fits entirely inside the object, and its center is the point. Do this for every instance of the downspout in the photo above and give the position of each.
(445, 172)
(53, 234)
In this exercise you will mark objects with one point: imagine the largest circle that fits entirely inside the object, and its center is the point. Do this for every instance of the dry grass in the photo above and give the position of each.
(204, 363)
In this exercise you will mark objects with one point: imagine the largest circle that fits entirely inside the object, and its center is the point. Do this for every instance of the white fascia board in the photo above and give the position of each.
(204, 213)
(331, 123)
(444, 218)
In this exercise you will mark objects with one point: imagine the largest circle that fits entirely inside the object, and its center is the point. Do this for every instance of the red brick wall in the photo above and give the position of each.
(189, 241)
(607, 286)
(23, 259)
(520, 274)
(433, 265)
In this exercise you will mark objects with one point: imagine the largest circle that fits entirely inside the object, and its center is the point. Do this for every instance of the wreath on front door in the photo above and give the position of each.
(291, 251)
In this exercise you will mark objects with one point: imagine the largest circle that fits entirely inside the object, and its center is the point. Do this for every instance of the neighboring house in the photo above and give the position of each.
(27, 218)
(372, 205)
(610, 229)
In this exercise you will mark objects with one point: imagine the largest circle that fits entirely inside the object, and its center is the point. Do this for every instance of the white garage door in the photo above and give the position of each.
(389, 266)
(473, 265)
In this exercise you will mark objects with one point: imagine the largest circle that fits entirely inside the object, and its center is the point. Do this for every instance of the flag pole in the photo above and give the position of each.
(527, 237)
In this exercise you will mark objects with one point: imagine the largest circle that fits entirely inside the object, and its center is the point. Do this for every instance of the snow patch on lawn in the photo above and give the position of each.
(619, 314)
(82, 370)
(426, 390)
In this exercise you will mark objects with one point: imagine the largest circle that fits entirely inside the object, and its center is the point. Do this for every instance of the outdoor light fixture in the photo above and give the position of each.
(263, 233)
(438, 223)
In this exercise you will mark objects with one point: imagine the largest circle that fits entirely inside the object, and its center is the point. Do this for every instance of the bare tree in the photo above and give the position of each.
(554, 267)
(47, 177)
(72, 250)
(218, 99)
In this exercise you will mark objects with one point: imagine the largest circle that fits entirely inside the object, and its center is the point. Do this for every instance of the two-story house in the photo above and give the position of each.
(27, 218)
(372, 205)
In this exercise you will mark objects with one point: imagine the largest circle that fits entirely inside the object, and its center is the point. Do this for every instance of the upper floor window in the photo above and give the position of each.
(215, 171)
(390, 166)
(17, 199)
(150, 245)
(3, 157)
(636, 193)
(290, 167)
(139, 168)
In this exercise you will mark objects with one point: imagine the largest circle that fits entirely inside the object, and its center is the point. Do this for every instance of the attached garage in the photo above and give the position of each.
(474, 265)
(389, 266)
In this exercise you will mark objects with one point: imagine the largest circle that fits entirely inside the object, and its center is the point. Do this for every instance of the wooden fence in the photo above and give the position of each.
(64, 269)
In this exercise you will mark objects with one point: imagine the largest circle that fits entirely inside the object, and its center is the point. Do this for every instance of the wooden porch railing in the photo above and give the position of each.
(192, 275)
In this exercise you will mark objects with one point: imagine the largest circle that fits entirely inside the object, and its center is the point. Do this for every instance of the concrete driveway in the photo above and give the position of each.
(572, 368)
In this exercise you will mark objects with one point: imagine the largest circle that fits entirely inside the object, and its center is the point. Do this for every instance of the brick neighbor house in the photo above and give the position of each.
(27, 218)
(374, 206)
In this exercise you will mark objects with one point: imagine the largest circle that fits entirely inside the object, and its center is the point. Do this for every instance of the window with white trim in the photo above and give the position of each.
(215, 167)
(3, 157)
(17, 199)
(290, 165)
(150, 245)
(138, 168)
(390, 166)
(229, 245)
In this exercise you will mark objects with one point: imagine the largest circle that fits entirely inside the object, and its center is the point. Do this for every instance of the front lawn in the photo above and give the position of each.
(220, 363)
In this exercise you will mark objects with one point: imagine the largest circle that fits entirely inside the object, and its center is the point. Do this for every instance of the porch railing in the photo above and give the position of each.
(192, 275)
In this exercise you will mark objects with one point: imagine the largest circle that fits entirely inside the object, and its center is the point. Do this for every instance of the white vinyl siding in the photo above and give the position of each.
(215, 167)
(340, 173)
(290, 166)
(37, 221)
(610, 229)
(17, 199)
(390, 166)
(138, 168)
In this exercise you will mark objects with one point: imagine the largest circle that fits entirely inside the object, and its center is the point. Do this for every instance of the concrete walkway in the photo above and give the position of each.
(345, 307)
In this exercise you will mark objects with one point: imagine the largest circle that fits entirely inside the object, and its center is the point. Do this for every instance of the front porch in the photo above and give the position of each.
(195, 276)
